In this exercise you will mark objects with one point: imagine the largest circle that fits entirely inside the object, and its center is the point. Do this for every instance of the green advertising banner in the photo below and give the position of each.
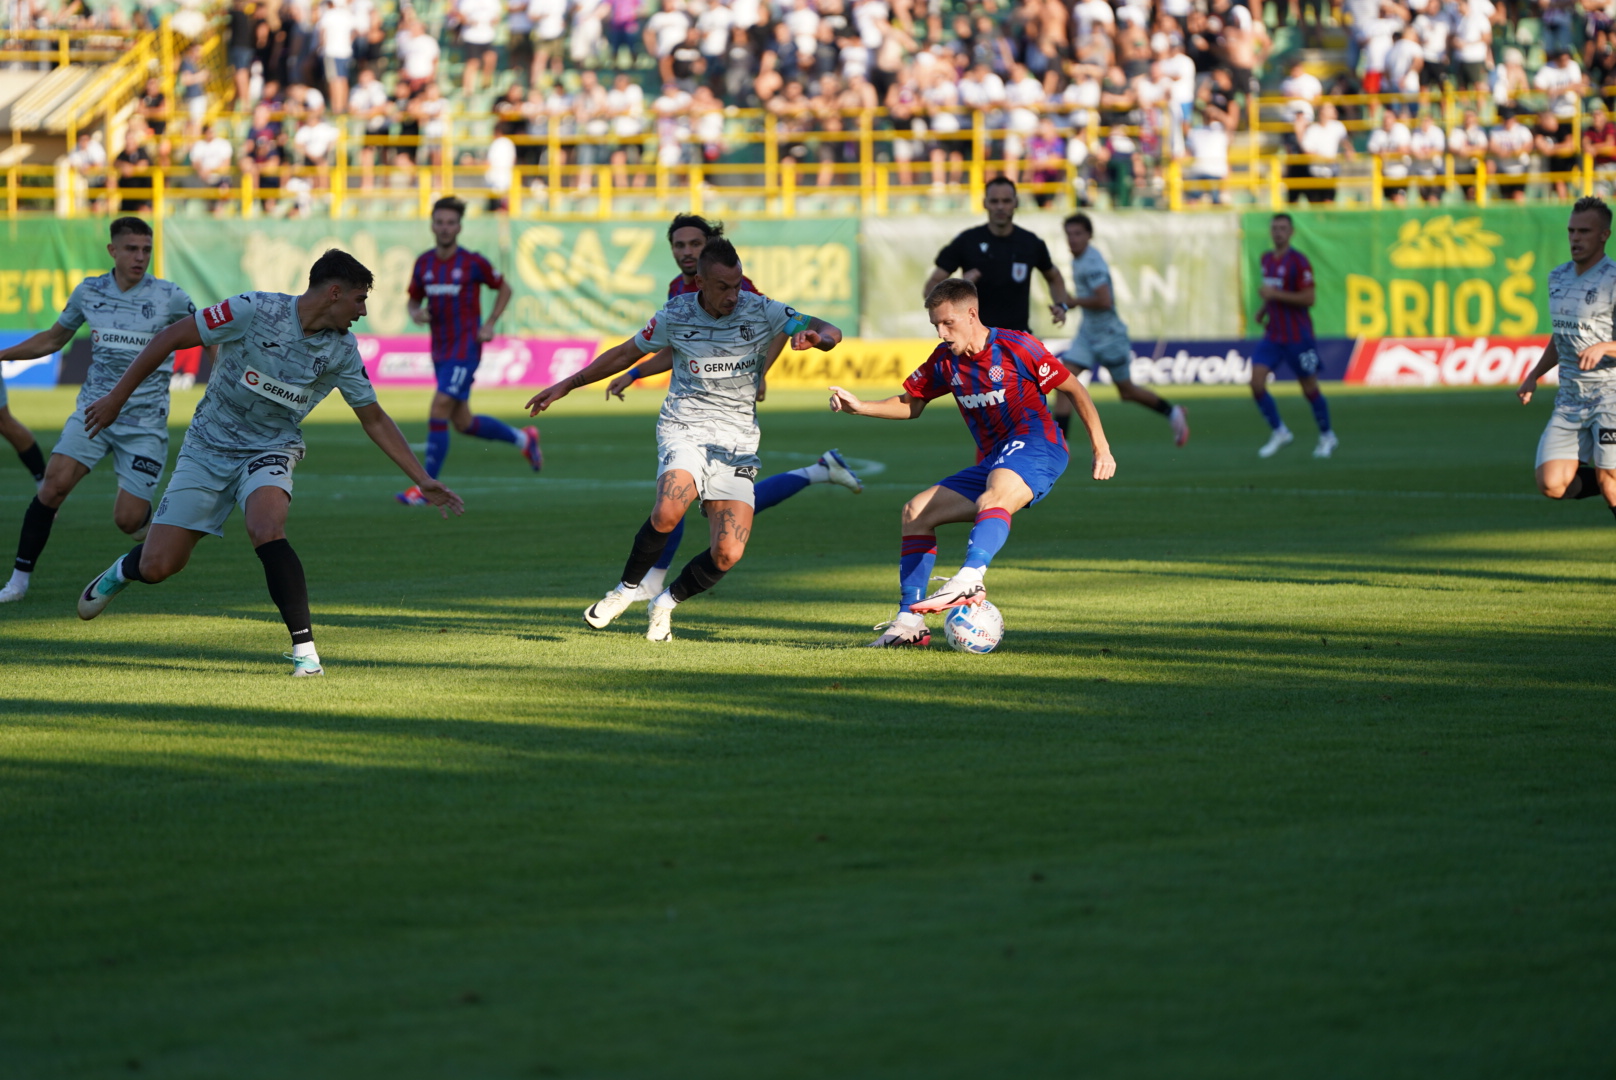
(1421, 273)
(600, 279)
(1173, 276)
(41, 260)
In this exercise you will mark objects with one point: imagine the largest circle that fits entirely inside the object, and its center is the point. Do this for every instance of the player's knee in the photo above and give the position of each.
(1554, 489)
(726, 553)
(665, 519)
(261, 533)
(130, 520)
(158, 565)
(911, 512)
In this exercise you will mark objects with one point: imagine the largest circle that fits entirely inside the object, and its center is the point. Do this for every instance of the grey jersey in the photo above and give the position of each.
(121, 324)
(269, 374)
(717, 362)
(1090, 274)
(1583, 310)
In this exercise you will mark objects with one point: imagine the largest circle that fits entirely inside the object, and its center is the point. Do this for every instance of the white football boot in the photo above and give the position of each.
(304, 666)
(15, 590)
(1180, 419)
(904, 631)
(1327, 444)
(961, 590)
(836, 465)
(659, 622)
(99, 593)
(1280, 439)
(603, 611)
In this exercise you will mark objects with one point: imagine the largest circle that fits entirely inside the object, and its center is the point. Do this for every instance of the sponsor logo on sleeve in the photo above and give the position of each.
(295, 398)
(217, 315)
(650, 328)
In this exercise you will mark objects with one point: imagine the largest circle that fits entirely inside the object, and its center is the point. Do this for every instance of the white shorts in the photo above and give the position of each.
(1581, 430)
(1115, 356)
(138, 457)
(721, 472)
(207, 484)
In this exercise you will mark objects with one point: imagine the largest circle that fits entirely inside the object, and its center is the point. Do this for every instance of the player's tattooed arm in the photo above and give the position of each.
(1551, 357)
(656, 365)
(819, 335)
(1105, 466)
(610, 362)
(903, 407)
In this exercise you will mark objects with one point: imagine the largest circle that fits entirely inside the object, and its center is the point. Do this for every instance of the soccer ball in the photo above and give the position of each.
(974, 629)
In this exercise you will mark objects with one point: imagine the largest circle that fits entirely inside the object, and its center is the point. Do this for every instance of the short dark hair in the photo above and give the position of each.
(1079, 219)
(338, 265)
(449, 202)
(1281, 217)
(129, 225)
(1001, 179)
(712, 230)
(952, 291)
(1593, 204)
(718, 252)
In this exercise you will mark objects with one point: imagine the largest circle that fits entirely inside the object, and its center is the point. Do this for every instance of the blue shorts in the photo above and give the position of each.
(1037, 462)
(454, 377)
(1302, 357)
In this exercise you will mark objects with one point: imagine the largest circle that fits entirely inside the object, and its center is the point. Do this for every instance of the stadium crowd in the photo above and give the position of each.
(1103, 91)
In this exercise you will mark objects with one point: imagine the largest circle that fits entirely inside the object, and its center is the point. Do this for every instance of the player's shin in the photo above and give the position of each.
(915, 564)
(289, 589)
(699, 575)
(648, 545)
(658, 574)
(1321, 412)
(1269, 409)
(776, 489)
(36, 529)
(988, 535)
(34, 461)
(437, 446)
(486, 427)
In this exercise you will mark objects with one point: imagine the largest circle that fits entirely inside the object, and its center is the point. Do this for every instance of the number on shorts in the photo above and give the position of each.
(1008, 450)
(457, 379)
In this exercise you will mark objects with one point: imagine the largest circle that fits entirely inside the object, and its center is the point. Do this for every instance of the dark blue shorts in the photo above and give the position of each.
(454, 377)
(1302, 357)
(1037, 462)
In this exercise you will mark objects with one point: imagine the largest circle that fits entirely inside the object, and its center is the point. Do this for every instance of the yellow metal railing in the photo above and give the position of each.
(113, 86)
(63, 47)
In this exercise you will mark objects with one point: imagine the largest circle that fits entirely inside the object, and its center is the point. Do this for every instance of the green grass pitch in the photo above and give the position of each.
(1285, 769)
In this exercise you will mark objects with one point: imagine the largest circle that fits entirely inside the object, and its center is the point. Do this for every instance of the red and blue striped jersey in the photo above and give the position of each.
(1288, 324)
(1000, 391)
(452, 289)
(678, 286)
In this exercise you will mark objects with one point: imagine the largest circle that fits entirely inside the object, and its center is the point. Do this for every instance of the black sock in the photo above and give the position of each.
(36, 529)
(33, 461)
(1584, 486)
(131, 565)
(1163, 406)
(699, 575)
(283, 572)
(1064, 422)
(648, 545)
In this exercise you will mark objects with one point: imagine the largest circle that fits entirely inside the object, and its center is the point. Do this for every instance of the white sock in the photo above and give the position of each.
(814, 474)
(970, 573)
(117, 569)
(910, 618)
(665, 599)
(20, 578)
(654, 579)
(305, 650)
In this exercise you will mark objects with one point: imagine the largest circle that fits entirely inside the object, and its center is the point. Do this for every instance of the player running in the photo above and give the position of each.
(998, 378)
(449, 281)
(1102, 339)
(125, 308)
(280, 356)
(707, 433)
(687, 235)
(1287, 292)
(1576, 457)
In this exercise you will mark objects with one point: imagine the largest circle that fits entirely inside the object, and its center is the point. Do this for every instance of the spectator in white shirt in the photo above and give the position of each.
(337, 30)
(1326, 142)
(368, 103)
(1403, 65)
(1303, 91)
(499, 169)
(803, 22)
(417, 52)
(1468, 144)
(315, 140)
(1472, 44)
(478, 19)
(1427, 146)
(549, 18)
(1024, 95)
(1509, 81)
(625, 104)
(1390, 144)
(664, 32)
(1090, 16)
(1511, 151)
(1561, 78)
(1208, 148)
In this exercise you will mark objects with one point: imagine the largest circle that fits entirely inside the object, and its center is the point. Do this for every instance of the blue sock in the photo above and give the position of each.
(776, 489)
(1270, 410)
(486, 427)
(914, 568)
(437, 446)
(671, 548)
(988, 535)
(1321, 412)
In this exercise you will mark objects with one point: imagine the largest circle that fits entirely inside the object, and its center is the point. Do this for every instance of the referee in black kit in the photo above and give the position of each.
(999, 259)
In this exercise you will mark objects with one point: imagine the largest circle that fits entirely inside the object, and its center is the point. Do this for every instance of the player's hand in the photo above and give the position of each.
(546, 398)
(1057, 314)
(763, 387)
(803, 340)
(1265, 292)
(1105, 466)
(485, 333)
(445, 500)
(1593, 355)
(100, 414)
(419, 317)
(1524, 391)
(842, 401)
(973, 276)
(618, 385)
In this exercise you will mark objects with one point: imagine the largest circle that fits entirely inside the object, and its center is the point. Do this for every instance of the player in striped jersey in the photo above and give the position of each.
(998, 379)
(1287, 292)
(446, 293)
(687, 235)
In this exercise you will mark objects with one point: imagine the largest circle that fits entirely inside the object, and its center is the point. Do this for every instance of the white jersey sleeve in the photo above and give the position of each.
(228, 320)
(73, 314)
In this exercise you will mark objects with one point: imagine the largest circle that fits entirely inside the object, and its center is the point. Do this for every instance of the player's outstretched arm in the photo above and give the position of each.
(41, 344)
(610, 362)
(1105, 466)
(902, 407)
(1551, 357)
(385, 434)
(1060, 300)
(820, 335)
(656, 365)
(100, 414)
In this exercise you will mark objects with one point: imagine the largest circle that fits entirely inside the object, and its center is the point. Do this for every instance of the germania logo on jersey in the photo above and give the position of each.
(264, 386)
(217, 315)
(980, 401)
(119, 337)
